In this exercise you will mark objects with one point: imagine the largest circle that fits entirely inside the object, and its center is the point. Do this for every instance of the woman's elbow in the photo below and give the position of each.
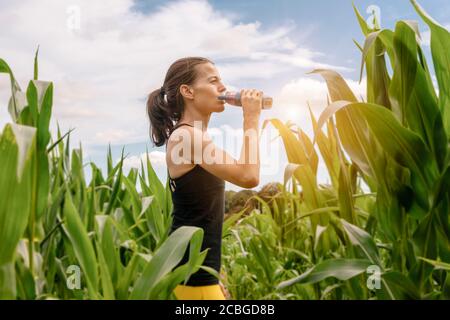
(250, 182)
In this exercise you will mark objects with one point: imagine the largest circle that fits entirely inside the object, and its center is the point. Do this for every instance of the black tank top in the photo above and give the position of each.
(199, 200)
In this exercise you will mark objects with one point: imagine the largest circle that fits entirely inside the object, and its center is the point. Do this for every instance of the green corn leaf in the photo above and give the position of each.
(399, 142)
(364, 241)
(438, 265)
(36, 65)
(440, 42)
(105, 277)
(84, 250)
(17, 154)
(341, 269)
(165, 259)
(395, 285)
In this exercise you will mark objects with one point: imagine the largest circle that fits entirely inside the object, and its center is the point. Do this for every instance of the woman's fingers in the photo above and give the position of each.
(251, 93)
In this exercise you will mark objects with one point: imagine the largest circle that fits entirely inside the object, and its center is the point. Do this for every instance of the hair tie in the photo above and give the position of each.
(163, 95)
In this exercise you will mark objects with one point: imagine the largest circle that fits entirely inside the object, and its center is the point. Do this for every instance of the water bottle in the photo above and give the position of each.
(234, 98)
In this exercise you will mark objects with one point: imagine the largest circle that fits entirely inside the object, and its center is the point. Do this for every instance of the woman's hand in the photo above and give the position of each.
(251, 100)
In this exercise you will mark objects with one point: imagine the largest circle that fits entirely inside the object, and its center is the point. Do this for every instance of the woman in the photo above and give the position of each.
(179, 114)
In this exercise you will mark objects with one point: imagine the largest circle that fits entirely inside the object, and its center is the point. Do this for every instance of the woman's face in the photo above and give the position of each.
(207, 87)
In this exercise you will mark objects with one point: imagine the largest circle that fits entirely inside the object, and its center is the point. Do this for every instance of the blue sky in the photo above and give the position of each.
(327, 26)
(105, 57)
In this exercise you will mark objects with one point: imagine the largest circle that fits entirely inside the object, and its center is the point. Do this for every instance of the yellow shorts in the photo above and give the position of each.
(211, 292)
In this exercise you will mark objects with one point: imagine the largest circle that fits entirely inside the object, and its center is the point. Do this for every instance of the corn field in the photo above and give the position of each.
(307, 241)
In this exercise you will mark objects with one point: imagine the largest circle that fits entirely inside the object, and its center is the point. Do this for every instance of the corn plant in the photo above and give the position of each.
(398, 143)
(255, 260)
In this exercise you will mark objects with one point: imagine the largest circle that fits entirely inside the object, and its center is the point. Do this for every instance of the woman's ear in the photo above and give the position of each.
(187, 91)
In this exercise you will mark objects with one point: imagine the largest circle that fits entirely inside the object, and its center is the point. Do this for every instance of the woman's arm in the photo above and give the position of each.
(243, 172)
(250, 149)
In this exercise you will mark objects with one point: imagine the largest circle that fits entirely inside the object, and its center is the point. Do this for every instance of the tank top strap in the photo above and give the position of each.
(179, 125)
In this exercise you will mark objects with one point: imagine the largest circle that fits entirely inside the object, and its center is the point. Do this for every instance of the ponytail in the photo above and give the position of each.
(160, 117)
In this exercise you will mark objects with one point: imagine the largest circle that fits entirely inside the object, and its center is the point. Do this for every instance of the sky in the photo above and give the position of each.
(105, 57)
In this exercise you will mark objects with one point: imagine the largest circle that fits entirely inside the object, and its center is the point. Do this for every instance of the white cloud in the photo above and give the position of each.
(299, 57)
(115, 136)
(291, 103)
(245, 70)
(157, 159)
(103, 71)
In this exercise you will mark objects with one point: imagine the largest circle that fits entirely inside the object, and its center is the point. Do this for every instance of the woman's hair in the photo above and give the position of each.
(165, 112)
